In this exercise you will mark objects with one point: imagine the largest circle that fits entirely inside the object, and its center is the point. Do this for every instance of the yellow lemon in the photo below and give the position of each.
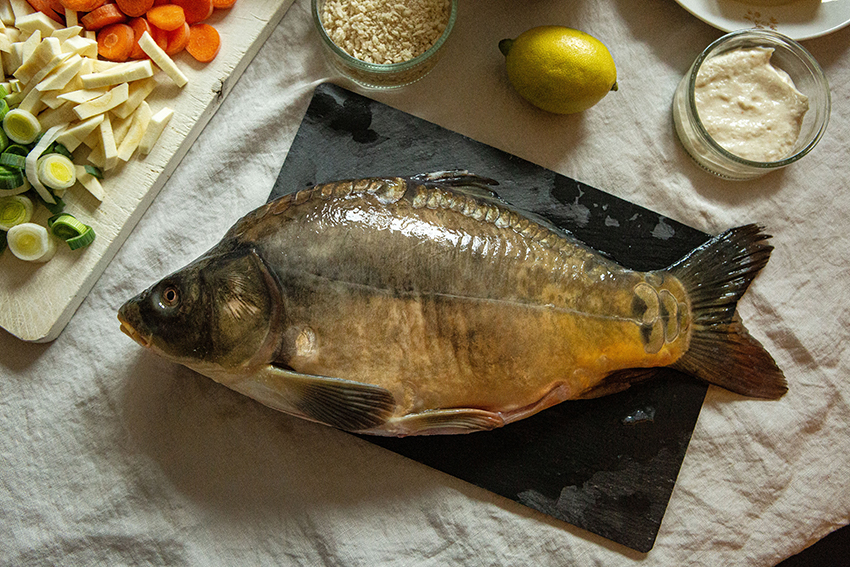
(559, 69)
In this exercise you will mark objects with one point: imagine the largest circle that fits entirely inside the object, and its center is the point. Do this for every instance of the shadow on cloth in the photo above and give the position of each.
(235, 456)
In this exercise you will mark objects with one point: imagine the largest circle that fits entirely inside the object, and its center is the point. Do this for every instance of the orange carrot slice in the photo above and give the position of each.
(177, 40)
(82, 5)
(223, 4)
(115, 42)
(101, 17)
(134, 8)
(166, 17)
(204, 42)
(196, 10)
(140, 26)
(159, 36)
(48, 9)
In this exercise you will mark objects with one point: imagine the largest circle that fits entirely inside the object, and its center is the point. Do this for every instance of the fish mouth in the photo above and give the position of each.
(131, 332)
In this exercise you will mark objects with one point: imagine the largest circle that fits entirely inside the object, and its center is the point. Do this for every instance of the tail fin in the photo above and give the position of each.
(721, 350)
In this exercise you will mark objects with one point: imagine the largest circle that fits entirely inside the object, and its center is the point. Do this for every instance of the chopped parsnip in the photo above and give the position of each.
(66, 33)
(118, 74)
(107, 101)
(43, 54)
(37, 21)
(162, 59)
(71, 19)
(62, 75)
(90, 182)
(74, 134)
(139, 91)
(154, 131)
(131, 140)
(82, 95)
(81, 45)
(21, 8)
(107, 144)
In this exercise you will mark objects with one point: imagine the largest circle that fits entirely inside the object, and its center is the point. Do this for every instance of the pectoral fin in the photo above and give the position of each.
(344, 404)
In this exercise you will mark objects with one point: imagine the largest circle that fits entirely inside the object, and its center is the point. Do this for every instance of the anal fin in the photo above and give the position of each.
(618, 381)
(441, 422)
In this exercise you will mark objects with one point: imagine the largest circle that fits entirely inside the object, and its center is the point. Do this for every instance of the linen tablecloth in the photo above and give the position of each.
(112, 456)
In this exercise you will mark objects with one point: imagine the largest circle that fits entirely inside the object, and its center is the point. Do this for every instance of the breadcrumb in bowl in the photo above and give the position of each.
(384, 44)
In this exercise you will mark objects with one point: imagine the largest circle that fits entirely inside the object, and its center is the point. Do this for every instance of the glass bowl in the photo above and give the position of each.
(789, 56)
(377, 75)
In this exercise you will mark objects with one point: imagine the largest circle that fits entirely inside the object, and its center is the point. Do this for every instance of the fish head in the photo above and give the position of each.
(218, 315)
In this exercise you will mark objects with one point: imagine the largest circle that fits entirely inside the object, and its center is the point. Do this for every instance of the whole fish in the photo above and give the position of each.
(426, 305)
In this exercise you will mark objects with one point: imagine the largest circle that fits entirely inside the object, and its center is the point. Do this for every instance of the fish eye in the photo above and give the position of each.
(169, 297)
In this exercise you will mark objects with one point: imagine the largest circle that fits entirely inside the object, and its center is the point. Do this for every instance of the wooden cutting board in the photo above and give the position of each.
(606, 465)
(38, 300)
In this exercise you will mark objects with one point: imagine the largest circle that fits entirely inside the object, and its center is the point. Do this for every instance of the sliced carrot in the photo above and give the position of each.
(161, 2)
(101, 17)
(159, 36)
(115, 42)
(196, 10)
(177, 40)
(223, 3)
(134, 8)
(46, 8)
(82, 5)
(166, 17)
(204, 42)
(140, 26)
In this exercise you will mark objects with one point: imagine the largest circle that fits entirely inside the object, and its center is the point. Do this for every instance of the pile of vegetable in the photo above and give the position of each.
(76, 79)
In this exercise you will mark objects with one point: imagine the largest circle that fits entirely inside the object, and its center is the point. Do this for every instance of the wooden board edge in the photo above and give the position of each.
(51, 331)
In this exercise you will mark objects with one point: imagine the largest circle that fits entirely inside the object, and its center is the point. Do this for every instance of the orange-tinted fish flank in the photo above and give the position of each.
(426, 305)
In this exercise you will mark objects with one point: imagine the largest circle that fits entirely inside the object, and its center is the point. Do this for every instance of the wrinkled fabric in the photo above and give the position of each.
(112, 456)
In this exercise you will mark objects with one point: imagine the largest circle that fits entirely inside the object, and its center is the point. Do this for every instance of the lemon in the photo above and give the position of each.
(559, 69)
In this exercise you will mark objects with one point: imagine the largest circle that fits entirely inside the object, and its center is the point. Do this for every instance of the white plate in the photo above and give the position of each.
(800, 19)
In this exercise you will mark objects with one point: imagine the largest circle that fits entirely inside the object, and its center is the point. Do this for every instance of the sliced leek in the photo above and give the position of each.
(71, 230)
(15, 210)
(56, 171)
(31, 242)
(32, 163)
(13, 160)
(10, 178)
(21, 126)
(22, 188)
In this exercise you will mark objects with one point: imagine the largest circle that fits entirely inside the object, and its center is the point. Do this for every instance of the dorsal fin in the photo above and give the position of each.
(460, 180)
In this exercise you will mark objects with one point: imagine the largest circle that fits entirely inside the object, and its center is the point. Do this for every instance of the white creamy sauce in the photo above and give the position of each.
(748, 106)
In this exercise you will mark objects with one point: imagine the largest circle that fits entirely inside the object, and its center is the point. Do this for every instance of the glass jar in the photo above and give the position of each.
(382, 76)
(790, 57)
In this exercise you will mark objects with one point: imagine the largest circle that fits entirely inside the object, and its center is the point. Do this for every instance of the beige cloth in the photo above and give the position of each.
(112, 456)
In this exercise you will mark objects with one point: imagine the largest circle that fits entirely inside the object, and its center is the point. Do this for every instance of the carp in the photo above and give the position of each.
(427, 305)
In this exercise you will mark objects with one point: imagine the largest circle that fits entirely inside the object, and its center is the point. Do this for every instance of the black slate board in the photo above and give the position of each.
(606, 465)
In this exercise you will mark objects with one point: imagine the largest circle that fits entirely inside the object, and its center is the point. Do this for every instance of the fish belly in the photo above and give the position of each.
(435, 352)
